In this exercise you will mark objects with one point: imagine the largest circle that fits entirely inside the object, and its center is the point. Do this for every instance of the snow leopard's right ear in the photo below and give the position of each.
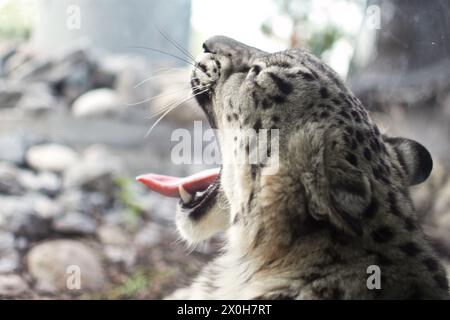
(414, 159)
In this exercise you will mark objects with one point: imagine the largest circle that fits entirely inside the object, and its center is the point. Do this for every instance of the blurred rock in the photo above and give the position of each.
(75, 223)
(18, 215)
(68, 71)
(157, 208)
(97, 102)
(9, 95)
(119, 254)
(112, 235)
(37, 98)
(51, 157)
(48, 264)
(11, 149)
(44, 207)
(12, 286)
(9, 257)
(148, 236)
(45, 182)
(8, 180)
(82, 201)
(96, 171)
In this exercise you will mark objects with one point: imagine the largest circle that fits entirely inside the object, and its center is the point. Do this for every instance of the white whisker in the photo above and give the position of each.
(159, 96)
(170, 104)
(173, 108)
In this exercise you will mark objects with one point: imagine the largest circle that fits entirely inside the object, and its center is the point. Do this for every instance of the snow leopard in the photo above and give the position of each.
(336, 207)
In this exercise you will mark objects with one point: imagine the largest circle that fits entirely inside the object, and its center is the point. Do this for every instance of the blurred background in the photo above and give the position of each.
(81, 82)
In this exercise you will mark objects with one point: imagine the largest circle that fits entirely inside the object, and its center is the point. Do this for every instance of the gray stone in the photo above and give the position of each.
(45, 208)
(12, 149)
(97, 102)
(45, 182)
(53, 264)
(75, 223)
(12, 286)
(112, 235)
(10, 95)
(149, 236)
(18, 215)
(119, 254)
(37, 98)
(9, 257)
(51, 157)
(9, 183)
(156, 207)
(96, 171)
(83, 201)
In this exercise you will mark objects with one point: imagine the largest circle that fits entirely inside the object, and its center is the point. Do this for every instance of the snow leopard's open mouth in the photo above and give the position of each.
(195, 191)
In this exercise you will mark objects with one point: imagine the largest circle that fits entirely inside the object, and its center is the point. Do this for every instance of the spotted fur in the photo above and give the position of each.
(338, 203)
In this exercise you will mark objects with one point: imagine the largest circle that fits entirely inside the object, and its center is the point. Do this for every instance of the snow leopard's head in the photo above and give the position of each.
(322, 156)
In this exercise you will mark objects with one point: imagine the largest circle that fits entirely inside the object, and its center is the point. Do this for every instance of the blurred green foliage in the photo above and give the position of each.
(14, 23)
(317, 40)
(125, 195)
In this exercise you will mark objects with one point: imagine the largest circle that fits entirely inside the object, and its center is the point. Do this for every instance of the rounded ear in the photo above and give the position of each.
(413, 157)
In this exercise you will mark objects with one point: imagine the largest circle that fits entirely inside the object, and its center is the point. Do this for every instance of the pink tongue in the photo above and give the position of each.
(168, 186)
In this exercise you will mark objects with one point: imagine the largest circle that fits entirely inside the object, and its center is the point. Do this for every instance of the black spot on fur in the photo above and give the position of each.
(374, 145)
(278, 99)
(336, 101)
(367, 154)
(431, 264)
(283, 85)
(410, 248)
(383, 234)
(376, 130)
(324, 94)
(257, 126)
(228, 118)
(393, 204)
(324, 114)
(344, 114)
(275, 118)
(349, 130)
(354, 144)
(359, 136)
(253, 171)
(255, 99)
(309, 105)
(351, 158)
(410, 224)
(236, 116)
(266, 104)
(372, 209)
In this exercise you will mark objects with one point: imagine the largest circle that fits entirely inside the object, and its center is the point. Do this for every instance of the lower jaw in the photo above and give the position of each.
(201, 203)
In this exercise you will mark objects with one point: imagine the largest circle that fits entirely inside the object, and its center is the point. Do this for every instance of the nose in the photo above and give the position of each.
(238, 52)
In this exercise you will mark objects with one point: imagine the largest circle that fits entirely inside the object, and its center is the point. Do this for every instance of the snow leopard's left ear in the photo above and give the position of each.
(414, 159)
